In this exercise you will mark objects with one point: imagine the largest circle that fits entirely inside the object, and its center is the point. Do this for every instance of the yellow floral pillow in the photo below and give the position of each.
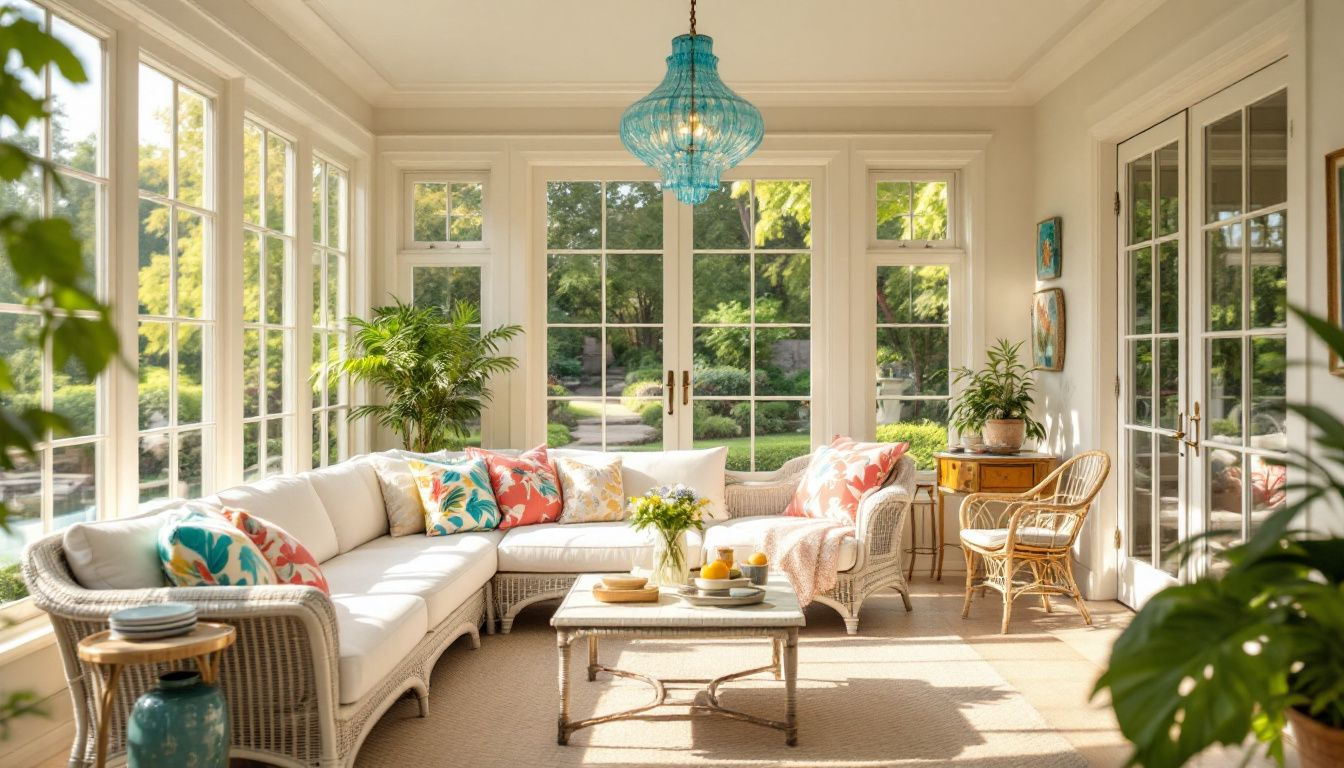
(592, 490)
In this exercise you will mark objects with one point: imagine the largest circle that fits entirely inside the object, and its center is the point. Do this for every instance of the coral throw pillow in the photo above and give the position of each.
(594, 491)
(292, 562)
(526, 487)
(456, 495)
(202, 550)
(839, 475)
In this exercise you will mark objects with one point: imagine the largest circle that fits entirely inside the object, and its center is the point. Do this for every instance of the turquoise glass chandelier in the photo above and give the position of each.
(692, 127)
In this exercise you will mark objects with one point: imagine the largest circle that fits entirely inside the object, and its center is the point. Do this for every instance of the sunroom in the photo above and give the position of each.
(983, 357)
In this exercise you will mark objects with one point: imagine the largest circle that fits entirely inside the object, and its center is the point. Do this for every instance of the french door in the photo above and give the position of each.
(1203, 335)
(669, 326)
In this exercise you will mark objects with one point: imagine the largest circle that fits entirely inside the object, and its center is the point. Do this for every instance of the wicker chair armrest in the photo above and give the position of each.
(747, 495)
(1043, 515)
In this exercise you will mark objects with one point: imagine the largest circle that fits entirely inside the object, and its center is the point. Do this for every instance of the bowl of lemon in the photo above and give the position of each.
(716, 578)
(756, 568)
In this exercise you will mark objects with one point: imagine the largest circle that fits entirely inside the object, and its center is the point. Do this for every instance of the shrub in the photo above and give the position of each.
(716, 427)
(558, 435)
(566, 367)
(644, 374)
(560, 412)
(723, 381)
(925, 439)
(11, 584)
(635, 396)
(652, 415)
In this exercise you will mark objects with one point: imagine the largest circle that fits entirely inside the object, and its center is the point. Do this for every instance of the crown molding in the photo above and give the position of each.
(1095, 28)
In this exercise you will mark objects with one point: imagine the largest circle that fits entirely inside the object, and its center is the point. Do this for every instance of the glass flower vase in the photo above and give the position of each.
(669, 560)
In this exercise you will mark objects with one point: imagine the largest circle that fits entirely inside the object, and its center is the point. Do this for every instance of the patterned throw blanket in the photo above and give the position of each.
(807, 550)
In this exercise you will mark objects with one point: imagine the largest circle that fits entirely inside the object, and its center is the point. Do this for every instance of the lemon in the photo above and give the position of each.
(757, 558)
(715, 570)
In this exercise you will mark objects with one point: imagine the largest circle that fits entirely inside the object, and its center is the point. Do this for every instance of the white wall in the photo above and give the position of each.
(1183, 52)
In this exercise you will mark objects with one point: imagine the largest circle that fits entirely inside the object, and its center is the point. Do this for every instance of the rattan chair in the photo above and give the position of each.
(1031, 534)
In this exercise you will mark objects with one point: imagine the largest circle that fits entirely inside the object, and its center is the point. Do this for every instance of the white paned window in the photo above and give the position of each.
(62, 484)
(268, 300)
(751, 322)
(176, 285)
(914, 334)
(913, 210)
(331, 270)
(446, 212)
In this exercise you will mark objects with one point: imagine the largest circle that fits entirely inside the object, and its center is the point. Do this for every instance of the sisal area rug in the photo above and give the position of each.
(896, 695)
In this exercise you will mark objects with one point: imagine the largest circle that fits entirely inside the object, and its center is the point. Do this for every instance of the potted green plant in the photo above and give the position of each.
(433, 368)
(996, 400)
(1257, 642)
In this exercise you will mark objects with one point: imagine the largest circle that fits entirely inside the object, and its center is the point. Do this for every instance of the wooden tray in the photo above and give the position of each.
(645, 595)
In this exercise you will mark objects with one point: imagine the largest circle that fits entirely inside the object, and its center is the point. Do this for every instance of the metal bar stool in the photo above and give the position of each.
(935, 545)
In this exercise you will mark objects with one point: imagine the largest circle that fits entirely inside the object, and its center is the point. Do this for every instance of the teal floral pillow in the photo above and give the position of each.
(204, 550)
(456, 495)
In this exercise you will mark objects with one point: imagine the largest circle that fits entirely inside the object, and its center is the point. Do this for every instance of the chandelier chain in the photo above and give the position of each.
(692, 17)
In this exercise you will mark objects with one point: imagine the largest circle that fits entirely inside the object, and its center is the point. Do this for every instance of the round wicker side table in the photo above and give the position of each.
(205, 644)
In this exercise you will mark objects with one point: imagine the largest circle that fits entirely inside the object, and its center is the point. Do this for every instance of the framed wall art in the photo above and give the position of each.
(1049, 252)
(1047, 329)
(1334, 245)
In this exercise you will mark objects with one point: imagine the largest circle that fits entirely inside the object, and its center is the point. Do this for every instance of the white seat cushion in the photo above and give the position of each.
(442, 570)
(376, 633)
(642, 471)
(993, 538)
(744, 535)
(353, 499)
(581, 548)
(290, 502)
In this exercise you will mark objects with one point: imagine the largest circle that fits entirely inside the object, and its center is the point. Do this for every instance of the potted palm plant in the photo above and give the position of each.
(996, 400)
(1258, 642)
(433, 367)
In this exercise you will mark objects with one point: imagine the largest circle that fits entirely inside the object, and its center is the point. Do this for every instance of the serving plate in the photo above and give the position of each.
(734, 598)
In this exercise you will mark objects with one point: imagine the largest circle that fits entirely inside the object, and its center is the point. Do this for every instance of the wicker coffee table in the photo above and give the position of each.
(777, 619)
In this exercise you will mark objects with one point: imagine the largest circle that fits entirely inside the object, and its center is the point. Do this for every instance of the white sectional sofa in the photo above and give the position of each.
(310, 675)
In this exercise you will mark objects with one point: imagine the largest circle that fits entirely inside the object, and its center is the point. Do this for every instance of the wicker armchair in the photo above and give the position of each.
(1031, 534)
(879, 527)
(280, 678)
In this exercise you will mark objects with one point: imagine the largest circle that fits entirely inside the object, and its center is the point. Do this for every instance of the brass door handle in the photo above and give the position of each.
(685, 387)
(1194, 429)
(671, 393)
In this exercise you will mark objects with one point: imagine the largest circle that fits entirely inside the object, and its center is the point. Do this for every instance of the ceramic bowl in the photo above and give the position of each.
(758, 574)
(624, 582)
(720, 585)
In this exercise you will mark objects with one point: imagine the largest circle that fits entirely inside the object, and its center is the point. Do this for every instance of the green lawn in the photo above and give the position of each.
(771, 450)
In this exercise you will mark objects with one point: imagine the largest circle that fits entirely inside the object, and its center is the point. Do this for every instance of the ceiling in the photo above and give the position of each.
(402, 53)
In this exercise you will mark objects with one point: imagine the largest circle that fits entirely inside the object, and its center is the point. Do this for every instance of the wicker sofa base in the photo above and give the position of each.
(280, 678)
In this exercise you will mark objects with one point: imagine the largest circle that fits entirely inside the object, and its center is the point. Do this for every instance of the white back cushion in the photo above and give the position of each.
(118, 554)
(353, 499)
(290, 502)
(642, 471)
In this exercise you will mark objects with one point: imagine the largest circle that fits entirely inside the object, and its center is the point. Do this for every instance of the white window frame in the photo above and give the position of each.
(290, 313)
(409, 180)
(208, 323)
(104, 187)
(905, 253)
(338, 402)
(953, 239)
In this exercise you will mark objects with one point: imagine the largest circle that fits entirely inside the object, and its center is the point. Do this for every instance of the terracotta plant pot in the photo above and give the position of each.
(1004, 435)
(1318, 745)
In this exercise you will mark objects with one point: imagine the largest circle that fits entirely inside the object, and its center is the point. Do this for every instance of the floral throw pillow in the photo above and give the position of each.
(456, 495)
(593, 490)
(292, 562)
(202, 550)
(526, 487)
(839, 475)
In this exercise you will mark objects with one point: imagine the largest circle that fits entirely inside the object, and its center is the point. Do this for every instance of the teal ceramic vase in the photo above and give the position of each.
(182, 722)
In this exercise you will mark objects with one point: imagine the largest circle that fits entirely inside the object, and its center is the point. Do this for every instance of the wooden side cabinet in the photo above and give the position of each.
(963, 473)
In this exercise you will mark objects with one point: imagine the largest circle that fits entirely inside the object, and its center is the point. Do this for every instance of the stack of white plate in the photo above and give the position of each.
(153, 622)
